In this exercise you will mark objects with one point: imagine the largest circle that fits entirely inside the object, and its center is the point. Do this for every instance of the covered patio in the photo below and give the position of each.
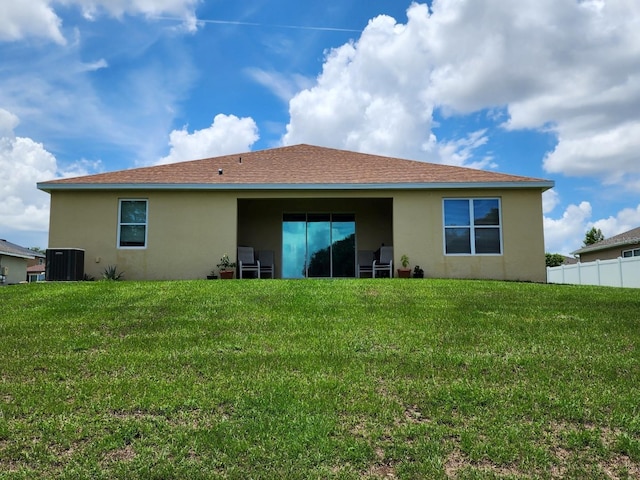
(315, 237)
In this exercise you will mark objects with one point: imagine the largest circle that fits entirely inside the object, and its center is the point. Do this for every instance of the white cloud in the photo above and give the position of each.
(565, 66)
(22, 206)
(611, 154)
(550, 200)
(33, 18)
(24, 210)
(625, 220)
(93, 66)
(368, 95)
(76, 95)
(37, 18)
(565, 234)
(227, 134)
(8, 121)
(184, 9)
(461, 152)
(282, 86)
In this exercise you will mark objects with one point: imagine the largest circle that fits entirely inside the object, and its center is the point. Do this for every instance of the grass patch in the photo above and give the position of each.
(343, 379)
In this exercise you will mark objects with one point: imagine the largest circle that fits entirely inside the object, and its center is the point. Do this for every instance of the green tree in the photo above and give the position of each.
(554, 259)
(593, 236)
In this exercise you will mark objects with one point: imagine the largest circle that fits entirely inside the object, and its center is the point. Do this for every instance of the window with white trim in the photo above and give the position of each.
(132, 223)
(472, 226)
(631, 253)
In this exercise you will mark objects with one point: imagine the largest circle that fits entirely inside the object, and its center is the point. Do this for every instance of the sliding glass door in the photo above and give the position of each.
(318, 245)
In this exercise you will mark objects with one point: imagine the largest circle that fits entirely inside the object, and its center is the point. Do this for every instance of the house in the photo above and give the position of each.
(14, 261)
(36, 272)
(623, 245)
(313, 207)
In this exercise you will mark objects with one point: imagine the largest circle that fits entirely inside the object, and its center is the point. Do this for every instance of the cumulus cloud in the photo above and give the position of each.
(37, 18)
(367, 97)
(624, 220)
(565, 234)
(550, 200)
(562, 66)
(227, 134)
(22, 206)
(24, 210)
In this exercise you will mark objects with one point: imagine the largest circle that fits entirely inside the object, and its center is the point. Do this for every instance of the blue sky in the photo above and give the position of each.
(545, 88)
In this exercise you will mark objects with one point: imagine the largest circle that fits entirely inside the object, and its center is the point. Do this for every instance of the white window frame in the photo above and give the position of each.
(121, 224)
(472, 228)
(634, 252)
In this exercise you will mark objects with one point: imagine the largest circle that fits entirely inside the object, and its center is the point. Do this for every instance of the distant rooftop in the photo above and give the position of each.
(13, 250)
(632, 237)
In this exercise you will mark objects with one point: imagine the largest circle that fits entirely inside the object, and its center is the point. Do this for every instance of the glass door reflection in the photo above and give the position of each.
(318, 245)
(294, 246)
(343, 245)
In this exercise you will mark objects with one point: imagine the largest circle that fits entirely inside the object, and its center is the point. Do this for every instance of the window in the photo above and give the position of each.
(318, 245)
(631, 253)
(472, 226)
(132, 224)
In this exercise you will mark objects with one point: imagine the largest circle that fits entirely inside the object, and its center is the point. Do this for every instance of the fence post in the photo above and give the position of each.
(620, 271)
(598, 272)
(579, 273)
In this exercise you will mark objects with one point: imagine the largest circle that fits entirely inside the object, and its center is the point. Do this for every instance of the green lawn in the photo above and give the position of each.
(345, 379)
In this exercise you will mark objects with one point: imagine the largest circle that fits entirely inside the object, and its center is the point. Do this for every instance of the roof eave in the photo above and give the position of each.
(18, 255)
(542, 184)
(624, 243)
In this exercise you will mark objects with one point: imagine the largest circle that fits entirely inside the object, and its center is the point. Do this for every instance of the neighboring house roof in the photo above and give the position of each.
(297, 167)
(33, 269)
(632, 237)
(13, 250)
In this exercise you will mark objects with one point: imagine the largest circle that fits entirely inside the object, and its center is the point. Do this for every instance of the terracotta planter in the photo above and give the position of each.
(226, 274)
(404, 273)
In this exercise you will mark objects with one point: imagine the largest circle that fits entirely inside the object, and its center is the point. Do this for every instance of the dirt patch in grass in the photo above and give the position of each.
(383, 468)
(124, 454)
(458, 462)
(412, 414)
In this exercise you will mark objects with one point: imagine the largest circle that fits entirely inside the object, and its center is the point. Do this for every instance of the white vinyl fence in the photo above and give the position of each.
(621, 272)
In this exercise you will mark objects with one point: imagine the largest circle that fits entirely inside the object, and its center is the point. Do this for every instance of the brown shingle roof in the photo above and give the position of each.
(36, 268)
(295, 165)
(632, 237)
(14, 250)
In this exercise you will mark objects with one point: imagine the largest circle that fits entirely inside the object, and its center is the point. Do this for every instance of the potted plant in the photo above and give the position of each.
(405, 271)
(226, 267)
(212, 275)
(418, 272)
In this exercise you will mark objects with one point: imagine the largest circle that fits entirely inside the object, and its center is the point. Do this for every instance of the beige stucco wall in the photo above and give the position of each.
(608, 254)
(418, 233)
(190, 230)
(17, 269)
